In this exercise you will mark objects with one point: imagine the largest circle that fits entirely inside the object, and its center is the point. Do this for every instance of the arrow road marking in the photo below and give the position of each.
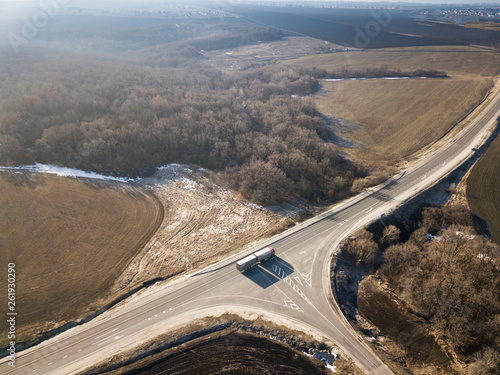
(307, 278)
(292, 305)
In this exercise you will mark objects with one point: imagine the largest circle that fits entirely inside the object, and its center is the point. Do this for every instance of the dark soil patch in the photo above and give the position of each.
(235, 353)
(394, 320)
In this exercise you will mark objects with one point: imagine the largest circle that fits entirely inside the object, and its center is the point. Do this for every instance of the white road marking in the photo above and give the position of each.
(105, 340)
(298, 280)
(109, 340)
(292, 305)
(307, 278)
(282, 274)
(371, 208)
(79, 350)
(48, 364)
(107, 333)
(65, 357)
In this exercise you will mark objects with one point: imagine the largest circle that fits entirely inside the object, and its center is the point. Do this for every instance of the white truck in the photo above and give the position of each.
(252, 260)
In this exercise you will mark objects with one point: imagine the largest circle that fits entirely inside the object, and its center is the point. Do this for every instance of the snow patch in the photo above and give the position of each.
(175, 168)
(64, 172)
(176, 172)
(326, 357)
(485, 257)
(189, 184)
(358, 79)
(332, 368)
(461, 234)
(254, 206)
(430, 237)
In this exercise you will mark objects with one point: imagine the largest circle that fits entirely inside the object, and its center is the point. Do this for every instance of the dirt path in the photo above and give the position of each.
(265, 53)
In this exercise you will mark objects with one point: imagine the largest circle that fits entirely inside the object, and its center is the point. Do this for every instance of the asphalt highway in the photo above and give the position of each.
(293, 286)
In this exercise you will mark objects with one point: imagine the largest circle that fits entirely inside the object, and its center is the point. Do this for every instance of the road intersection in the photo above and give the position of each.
(294, 285)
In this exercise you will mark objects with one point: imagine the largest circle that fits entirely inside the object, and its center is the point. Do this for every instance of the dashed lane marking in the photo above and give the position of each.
(107, 333)
(112, 339)
(105, 340)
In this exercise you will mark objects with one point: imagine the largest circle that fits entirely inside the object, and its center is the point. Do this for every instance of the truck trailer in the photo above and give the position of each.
(252, 260)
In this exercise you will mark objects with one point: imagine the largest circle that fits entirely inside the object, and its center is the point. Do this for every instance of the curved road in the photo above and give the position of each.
(293, 286)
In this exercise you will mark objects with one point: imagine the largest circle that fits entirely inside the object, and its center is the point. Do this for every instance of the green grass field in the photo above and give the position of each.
(483, 189)
(399, 117)
(454, 60)
(70, 240)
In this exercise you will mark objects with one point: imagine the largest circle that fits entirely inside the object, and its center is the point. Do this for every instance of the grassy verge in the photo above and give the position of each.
(399, 117)
(70, 240)
(483, 191)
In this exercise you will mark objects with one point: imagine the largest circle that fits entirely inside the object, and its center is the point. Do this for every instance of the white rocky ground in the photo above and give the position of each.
(203, 221)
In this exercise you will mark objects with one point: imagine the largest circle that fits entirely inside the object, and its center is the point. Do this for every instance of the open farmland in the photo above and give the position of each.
(347, 27)
(485, 25)
(454, 60)
(483, 191)
(70, 240)
(237, 353)
(398, 117)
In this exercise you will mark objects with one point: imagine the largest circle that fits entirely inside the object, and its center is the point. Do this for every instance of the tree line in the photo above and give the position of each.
(376, 72)
(124, 118)
(446, 272)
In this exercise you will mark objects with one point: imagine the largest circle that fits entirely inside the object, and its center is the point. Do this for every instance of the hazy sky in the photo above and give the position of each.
(145, 3)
